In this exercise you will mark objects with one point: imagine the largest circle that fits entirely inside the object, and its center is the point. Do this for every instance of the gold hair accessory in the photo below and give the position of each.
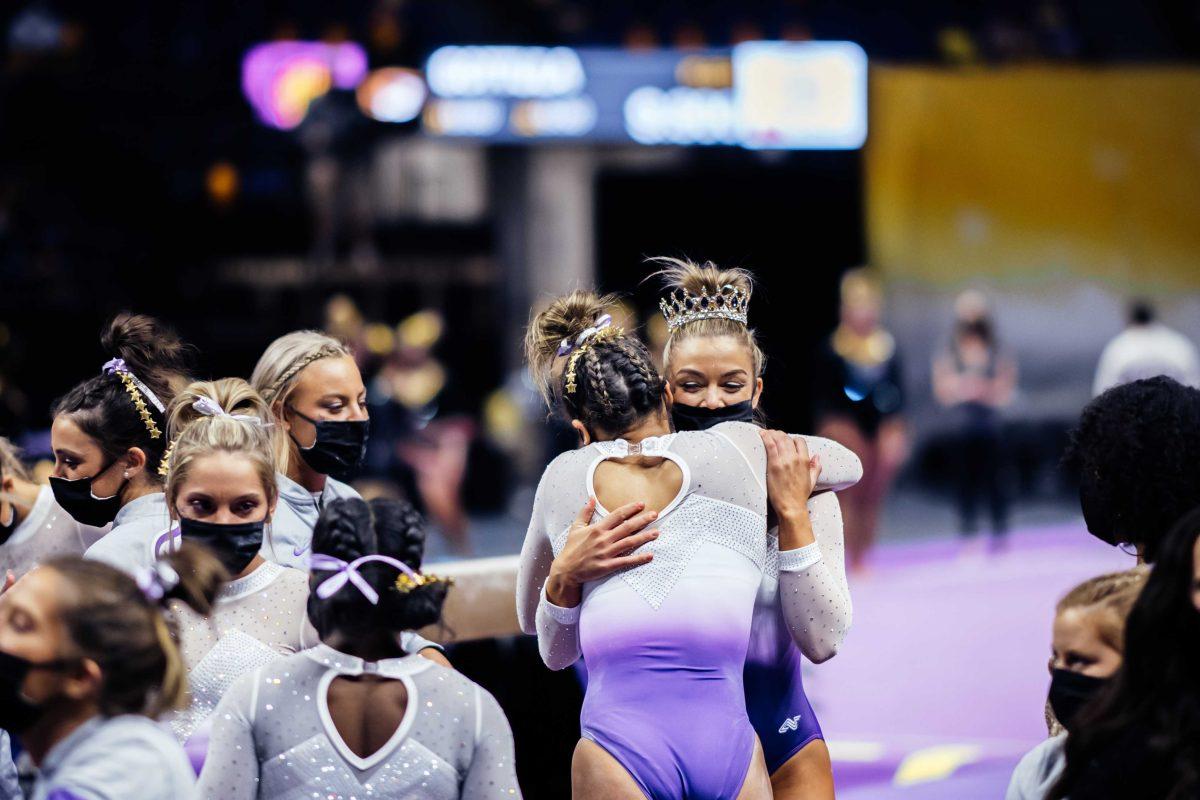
(681, 306)
(601, 331)
(165, 462)
(138, 392)
(406, 583)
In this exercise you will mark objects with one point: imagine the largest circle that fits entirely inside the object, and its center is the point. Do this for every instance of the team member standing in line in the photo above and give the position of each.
(357, 716)
(33, 528)
(318, 399)
(109, 437)
(89, 661)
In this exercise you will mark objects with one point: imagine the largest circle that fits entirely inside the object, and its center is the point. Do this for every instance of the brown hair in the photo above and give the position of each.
(195, 434)
(106, 408)
(708, 278)
(615, 382)
(1112, 595)
(133, 638)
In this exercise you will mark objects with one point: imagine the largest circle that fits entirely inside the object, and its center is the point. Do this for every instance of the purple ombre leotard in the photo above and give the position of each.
(665, 642)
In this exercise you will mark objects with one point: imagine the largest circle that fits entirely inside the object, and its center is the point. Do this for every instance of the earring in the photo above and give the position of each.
(126, 474)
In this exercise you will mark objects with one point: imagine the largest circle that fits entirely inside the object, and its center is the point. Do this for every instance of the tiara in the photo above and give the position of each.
(681, 306)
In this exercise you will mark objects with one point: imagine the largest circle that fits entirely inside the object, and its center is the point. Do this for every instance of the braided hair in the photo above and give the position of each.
(613, 385)
(350, 528)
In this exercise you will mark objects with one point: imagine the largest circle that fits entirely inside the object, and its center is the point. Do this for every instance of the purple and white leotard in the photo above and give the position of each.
(665, 642)
(804, 607)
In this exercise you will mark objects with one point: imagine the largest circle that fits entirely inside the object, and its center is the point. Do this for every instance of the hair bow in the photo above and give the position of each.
(602, 322)
(348, 572)
(117, 366)
(211, 408)
(156, 580)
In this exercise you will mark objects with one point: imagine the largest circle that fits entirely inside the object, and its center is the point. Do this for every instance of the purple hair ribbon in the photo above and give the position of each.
(348, 572)
(156, 580)
(118, 365)
(602, 322)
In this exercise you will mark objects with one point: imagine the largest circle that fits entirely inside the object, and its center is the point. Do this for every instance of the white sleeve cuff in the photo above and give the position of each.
(800, 559)
(414, 643)
(563, 616)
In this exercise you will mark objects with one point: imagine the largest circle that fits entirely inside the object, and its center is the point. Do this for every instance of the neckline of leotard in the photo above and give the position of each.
(657, 446)
(343, 664)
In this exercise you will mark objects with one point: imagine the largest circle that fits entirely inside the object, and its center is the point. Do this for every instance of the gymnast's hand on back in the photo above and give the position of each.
(594, 550)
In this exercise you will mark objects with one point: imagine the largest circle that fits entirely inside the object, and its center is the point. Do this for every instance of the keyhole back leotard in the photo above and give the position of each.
(665, 642)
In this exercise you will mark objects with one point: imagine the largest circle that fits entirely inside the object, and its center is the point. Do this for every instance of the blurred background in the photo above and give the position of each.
(417, 175)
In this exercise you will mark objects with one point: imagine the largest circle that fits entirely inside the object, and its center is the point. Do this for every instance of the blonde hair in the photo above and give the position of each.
(10, 461)
(707, 278)
(1113, 595)
(195, 434)
(278, 370)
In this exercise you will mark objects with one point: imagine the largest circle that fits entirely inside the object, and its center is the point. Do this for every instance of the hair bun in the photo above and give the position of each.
(703, 278)
(565, 318)
(151, 350)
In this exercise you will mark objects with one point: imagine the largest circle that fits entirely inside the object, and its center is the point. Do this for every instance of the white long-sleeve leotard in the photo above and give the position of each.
(273, 736)
(47, 531)
(808, 584)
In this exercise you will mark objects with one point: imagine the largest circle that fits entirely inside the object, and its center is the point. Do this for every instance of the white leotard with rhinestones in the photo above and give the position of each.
(255, 620)
(46, 532)
(806, 587)
(273, 736)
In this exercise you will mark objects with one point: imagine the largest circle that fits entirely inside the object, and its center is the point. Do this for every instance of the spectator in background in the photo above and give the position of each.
(860, 397)
(1144, 349)
(1134, 454)
(1087, 645)
(974, 378)
(1140, 737)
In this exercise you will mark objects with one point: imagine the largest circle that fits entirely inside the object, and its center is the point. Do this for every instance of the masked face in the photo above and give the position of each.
(326, 416)
(712, 381)
(17, 712)
(698, 418)
(1070, 692)
(223, 504)
(1097, 512)
(32, 639)
(77, 499)
(86, 483)
(339, 448)
(235, 545)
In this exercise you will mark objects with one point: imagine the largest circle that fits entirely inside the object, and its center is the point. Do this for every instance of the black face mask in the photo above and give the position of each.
(235, 545)
(340, 447)
(1070, 691)
(76, 499)
(1097, 514)
(17, 713)
(695, 418)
